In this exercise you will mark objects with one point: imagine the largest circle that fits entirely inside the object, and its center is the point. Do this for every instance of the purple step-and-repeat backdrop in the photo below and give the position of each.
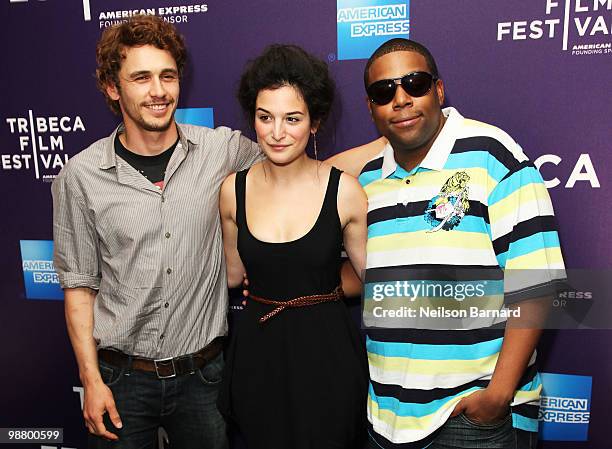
(540, 69)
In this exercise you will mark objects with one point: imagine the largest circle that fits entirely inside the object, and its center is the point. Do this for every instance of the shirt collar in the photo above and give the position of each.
(438, 153)
(186, 134)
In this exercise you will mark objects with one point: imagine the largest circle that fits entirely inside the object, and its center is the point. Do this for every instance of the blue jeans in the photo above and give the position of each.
(462, 433)
(185, 406)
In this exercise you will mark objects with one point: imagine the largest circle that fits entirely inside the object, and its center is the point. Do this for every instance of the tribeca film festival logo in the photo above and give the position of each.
(363, 25)
(585, 26)
(41, 280)
(170, 13)
(40, 142)
(565, 407)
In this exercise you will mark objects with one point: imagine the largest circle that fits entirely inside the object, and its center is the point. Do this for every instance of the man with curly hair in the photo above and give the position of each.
(139, 253)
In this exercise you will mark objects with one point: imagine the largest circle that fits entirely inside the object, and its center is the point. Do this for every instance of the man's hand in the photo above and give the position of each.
(484, 407)
(98, 399)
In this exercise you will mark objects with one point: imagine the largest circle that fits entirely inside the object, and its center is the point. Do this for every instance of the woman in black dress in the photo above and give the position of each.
(296, 375)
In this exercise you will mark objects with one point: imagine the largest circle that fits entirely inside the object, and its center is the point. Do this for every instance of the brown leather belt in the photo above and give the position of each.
(165, 368)
(336, 295)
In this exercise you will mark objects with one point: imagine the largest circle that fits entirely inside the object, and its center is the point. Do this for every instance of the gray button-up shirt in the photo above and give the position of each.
(155, 257)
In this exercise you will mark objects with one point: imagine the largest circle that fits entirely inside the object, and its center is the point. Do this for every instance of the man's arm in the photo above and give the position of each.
(353, 208)
(76, 262)
(227, 210)
(98, 398)
(353, 160)
(492, 403)
(515, 216)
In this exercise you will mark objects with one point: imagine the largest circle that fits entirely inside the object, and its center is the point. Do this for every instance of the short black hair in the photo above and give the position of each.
(401, 44)
(282, 65)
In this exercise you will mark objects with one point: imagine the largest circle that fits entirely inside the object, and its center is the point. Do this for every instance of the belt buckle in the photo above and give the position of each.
(159, 376)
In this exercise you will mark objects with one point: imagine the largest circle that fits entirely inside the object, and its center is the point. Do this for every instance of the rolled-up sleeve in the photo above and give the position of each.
(76, 252)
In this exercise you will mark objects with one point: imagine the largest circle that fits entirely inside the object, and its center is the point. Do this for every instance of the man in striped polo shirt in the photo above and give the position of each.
(139, 253)
(449, 193)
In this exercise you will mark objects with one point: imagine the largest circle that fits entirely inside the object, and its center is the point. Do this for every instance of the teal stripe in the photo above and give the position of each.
(523, 177)
(524, 423)
(435, 352)
(469, 223)
(533, 384)
(527, 245)
(369, 177)
(477, 159)
(410, 408)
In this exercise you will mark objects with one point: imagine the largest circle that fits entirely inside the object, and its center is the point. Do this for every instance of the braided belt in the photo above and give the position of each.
(310, 300)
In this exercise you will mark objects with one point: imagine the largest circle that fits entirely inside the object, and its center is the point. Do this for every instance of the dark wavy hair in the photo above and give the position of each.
(282, 65)
(136, 31)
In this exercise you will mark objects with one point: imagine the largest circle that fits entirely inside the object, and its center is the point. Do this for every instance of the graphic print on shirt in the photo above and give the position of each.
(449, 206)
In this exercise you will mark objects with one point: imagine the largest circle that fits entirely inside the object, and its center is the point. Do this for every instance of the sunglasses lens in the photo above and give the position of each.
(417, 84)
(382, 92)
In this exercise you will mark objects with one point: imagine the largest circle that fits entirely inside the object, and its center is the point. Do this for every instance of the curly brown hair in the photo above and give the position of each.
(136, 31)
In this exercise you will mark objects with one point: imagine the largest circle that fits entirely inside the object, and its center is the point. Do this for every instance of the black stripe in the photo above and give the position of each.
(527, 410)
(376, 164)
(437, 337)
(417, 396)
(541, 223)
(417, 208)
(520, 166)
(489, 144)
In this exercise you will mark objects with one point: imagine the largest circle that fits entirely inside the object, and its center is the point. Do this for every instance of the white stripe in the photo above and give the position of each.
(429, 381)
(86, 11)
(566, 23)
(424, 381)
(415, 194)
(486, 130)
(526, 211)
(429, 255)
(399, 436)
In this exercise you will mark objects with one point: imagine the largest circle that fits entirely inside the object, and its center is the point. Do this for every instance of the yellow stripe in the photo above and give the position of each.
(541, 258)
(484, 366)
(522, 397)
(526, 194)
(409, 422)
(423, 239)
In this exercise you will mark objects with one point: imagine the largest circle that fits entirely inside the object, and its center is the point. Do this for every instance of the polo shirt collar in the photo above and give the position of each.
(438, 153)
(186, 134)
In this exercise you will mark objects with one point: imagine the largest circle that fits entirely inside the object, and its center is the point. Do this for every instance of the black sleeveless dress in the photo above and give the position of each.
(299, 380)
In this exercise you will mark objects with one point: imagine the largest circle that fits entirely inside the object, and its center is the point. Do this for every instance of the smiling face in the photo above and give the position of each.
(409, 123)
(148, 88)
(282, 124)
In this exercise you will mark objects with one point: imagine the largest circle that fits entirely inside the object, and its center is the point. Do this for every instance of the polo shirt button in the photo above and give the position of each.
(166, 305)
(167, 235)
(407, 181)
(161, 337)
(169, 270)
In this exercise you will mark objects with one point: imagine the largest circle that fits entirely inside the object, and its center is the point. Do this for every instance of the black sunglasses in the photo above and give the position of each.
(416, 84)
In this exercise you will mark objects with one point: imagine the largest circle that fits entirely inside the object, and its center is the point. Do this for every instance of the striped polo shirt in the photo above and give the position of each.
(475, 201)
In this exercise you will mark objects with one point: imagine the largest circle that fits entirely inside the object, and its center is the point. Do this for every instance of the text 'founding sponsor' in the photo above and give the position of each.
(379, 20)
(585, 18)
(171, 14)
